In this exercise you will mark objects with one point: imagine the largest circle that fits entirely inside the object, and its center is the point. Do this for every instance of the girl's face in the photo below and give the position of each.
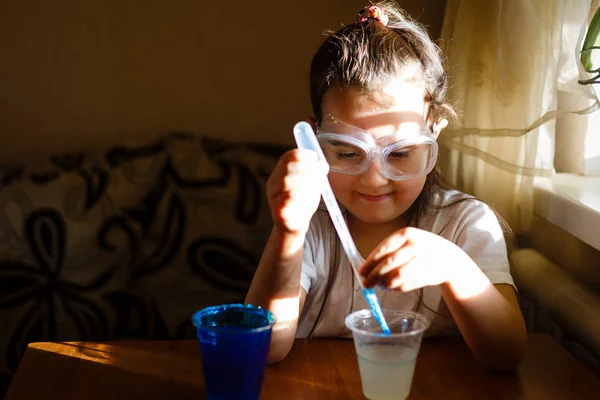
(371, 197)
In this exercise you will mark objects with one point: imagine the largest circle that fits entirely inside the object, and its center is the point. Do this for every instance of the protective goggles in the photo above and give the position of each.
(405, 154)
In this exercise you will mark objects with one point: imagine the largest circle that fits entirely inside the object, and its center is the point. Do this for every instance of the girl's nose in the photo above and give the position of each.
(373, 176)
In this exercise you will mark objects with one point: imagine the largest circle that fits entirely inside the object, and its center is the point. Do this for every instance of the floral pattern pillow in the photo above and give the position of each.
(127, 245)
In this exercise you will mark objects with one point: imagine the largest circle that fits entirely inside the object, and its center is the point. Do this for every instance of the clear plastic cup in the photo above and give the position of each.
(387, 362)
(234, 345)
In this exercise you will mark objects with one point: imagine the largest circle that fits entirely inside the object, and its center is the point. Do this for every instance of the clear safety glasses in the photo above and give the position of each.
(407, 153)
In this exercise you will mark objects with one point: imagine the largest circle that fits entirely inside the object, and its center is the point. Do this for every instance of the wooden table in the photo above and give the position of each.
(314, 369)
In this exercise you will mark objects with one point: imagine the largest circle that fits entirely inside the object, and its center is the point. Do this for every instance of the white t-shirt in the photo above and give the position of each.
(470, 224)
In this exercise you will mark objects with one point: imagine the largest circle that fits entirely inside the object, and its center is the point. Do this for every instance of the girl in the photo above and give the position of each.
(377, 91)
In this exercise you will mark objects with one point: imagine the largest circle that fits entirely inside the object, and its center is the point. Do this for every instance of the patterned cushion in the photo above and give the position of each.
(128, 245)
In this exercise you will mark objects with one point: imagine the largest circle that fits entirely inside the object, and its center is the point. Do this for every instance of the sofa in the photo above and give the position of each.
(127, 242)
(558, 277)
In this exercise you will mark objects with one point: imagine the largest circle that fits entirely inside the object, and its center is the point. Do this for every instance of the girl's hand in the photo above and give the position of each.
(294, 190)
(412, 258)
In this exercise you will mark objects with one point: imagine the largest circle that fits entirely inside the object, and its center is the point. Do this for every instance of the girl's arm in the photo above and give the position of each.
(487, 315)
(276, 286)
(293, 192)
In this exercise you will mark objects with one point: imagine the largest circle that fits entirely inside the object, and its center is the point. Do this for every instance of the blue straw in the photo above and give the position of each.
(306, 139)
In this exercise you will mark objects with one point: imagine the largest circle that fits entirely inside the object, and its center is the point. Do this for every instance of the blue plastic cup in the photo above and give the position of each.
(234, 345)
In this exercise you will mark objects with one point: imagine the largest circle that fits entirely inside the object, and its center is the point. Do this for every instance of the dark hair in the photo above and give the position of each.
(367, 55)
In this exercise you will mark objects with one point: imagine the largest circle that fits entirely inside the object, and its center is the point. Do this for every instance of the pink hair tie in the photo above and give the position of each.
(373, 12)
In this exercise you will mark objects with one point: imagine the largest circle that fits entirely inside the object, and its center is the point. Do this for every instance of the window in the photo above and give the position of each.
(578, 136)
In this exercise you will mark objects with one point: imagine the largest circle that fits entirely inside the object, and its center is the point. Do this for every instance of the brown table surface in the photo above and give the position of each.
(314, 369)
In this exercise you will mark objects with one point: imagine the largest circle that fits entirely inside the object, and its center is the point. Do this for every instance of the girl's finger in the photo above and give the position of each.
(399, 258)
(393, 279)
(375, 276)
(371, 273)
(389, 245)
(403, 279)
(293, 162)
(303, 165)
(390, 262)
(412, 278)
(405, 286)
(293, 182)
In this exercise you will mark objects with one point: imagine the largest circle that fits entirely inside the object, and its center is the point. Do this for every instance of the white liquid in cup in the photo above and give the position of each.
(387, 362)
(386, 376)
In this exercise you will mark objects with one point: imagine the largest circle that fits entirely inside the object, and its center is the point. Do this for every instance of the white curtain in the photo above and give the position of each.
(507, 61)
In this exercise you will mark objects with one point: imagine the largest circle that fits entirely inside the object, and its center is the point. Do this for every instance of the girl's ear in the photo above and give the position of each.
(438, 126)
(313, 122)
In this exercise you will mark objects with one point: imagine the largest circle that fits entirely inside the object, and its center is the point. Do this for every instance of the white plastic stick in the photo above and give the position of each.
(306, 139)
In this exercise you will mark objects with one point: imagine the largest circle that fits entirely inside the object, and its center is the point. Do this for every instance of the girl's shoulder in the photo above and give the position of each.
(455, 201)
(453, 211)
(447, 197)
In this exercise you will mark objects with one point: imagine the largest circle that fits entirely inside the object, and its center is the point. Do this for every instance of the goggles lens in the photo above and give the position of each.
(351, 151)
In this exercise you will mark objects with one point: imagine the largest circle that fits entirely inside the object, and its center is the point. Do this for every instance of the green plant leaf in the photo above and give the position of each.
(591, 43)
